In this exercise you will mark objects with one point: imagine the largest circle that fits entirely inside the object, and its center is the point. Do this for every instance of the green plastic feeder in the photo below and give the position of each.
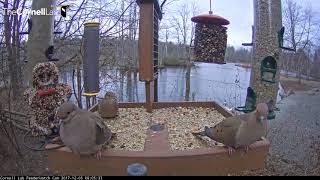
(251, 102)
(271, 107)
(271, 115)
(269, 70)
(281, 40)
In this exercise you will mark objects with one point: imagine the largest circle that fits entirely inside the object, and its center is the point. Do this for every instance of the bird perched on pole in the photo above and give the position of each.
(240, 131)
(82, 131)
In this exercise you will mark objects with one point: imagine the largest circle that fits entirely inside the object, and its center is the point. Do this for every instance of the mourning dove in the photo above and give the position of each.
(82, 131)
(240, 131)
(109, 107)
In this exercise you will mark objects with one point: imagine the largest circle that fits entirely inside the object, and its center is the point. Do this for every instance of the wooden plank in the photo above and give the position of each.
(202, 162)
(157, 141)
(159, 105)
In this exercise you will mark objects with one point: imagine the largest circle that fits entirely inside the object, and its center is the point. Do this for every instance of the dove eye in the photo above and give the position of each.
(68, 113)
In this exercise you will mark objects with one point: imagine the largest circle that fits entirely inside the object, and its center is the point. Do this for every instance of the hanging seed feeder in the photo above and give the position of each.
(210, 38)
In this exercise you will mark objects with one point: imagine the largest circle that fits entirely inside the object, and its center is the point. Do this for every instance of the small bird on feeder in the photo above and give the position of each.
(82, 131)
(109, 107)
(240, 131)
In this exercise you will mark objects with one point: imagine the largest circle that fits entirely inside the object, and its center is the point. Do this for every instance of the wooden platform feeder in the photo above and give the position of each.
(157, 156)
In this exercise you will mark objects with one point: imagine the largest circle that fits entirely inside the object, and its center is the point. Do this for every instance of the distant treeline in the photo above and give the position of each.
(120, 53)
(238, 55)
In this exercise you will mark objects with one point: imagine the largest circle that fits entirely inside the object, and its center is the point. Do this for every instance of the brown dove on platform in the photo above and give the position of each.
(82, 131)
(109, 107)
(240, 131)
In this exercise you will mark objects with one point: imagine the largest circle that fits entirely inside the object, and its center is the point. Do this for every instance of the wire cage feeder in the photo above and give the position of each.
(210, 38)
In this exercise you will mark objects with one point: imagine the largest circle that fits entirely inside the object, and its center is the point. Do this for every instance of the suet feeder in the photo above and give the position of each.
(269, 70)
(210, 38)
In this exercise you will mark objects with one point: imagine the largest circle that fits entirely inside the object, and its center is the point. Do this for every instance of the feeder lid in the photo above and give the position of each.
(91, 24)
(210, 19)
(156, 6)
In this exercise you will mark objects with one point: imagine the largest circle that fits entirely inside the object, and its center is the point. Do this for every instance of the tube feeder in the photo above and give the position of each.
(91, 62)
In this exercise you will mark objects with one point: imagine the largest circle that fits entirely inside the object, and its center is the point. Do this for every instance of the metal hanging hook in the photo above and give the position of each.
(210, 12)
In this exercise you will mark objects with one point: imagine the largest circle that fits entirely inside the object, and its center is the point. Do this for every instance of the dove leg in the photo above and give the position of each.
(246, 149)
(98, 155)
(57, 140)
(76, 153)
(231, 151)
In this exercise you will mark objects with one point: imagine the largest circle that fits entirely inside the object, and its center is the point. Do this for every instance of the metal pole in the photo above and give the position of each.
(156, 90)
(210, 12)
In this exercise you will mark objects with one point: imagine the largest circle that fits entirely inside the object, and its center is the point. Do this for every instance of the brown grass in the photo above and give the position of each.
(293, 84)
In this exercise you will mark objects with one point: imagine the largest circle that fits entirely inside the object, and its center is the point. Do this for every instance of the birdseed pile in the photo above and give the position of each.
(131, 129)
(210, 43)
(182, 122)
(132, 124)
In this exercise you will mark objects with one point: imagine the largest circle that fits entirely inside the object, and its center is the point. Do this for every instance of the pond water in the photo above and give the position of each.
(225, 84)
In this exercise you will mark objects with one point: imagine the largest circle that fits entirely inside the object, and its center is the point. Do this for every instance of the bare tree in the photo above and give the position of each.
(12, 27)
(301, 33)
(184, 32)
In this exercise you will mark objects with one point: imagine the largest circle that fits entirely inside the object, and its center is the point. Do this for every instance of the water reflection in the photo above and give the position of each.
(208, 82)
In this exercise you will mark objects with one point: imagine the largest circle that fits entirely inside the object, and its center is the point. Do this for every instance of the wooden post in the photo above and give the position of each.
(149, 96)
(148, 48)
(146, 71)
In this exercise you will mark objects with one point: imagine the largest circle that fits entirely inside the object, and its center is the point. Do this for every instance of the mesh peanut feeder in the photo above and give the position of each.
(210, 38)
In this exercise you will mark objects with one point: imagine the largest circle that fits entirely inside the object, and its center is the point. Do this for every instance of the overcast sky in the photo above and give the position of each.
(240, 14)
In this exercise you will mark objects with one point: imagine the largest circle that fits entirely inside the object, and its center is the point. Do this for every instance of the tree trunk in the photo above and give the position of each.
(188, 82)
(129, 87)
(79, 80)
(13, 43)
(40, 37)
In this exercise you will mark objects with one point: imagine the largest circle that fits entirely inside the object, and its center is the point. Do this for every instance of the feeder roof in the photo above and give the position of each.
(156, 5)
(210, 19)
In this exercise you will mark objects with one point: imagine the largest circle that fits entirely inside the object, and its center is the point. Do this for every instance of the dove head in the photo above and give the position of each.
(66, 110)
(262, 112)
(110, 95)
